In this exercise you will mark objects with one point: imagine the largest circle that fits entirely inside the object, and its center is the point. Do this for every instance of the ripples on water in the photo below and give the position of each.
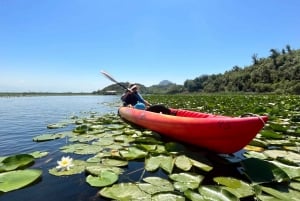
(22, 118)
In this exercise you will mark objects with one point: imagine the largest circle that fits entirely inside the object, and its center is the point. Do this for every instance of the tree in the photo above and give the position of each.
(254, 59)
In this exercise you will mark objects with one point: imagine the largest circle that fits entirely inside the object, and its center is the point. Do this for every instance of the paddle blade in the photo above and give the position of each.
(108, 76)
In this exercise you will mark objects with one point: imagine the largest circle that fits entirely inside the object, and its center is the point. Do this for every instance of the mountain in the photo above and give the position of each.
(165, 82)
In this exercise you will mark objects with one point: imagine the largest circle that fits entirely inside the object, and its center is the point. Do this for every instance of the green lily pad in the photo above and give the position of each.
(16, 162)
(97, 169)
(287, 155)
(254, 154)
(124, 192)
(216, 193)
(203, 166)
(79, 167)
(259, 171)
(39, 154)
(132, 153)
(47, 137)
(291, 171)
(114, 162)
(282, 194)
(57, 125)
(81, 148)
(183, 163)
(185, 181)
(154, 162)
(193, 196)
(237, 187)
(17, 179)
(271, 134)
(105, 178)
(167, 196)
(155, 185)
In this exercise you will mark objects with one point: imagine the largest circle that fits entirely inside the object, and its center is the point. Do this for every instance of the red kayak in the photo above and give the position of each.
(221, 134)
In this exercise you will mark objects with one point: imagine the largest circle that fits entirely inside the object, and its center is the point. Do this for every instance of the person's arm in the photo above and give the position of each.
(124, 95)
(141, 99)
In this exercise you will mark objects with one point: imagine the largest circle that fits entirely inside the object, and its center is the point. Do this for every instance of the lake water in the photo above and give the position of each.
(22, 118)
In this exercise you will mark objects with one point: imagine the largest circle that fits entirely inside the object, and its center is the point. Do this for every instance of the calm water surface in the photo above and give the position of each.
(22, 118)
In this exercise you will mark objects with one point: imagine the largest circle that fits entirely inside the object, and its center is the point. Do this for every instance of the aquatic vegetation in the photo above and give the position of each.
(268, 168)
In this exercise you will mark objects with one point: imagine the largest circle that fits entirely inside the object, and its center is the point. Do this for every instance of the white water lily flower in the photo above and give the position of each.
(65, 163)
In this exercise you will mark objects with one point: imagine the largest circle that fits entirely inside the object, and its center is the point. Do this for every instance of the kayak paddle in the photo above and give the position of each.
(112, 79)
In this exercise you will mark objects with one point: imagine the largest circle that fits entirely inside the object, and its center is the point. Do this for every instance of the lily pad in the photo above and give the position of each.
(124, 192)
(97, 169)
(287, 155)
(47, 137)
(16, 162)
(259, 171)
(105, 178)
(167, 196)
(237, 187)
(154, 162)
(39, 154)
(17, 179)
(132, 153)
(183, 163)
(291, 171)
(79, 167)
(216, 193)
(185, 181)
(155, 185)
(114, 162)
(193, 196)
(282, 194)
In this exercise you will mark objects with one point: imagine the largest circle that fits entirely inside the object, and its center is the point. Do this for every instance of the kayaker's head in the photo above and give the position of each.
(133, 87)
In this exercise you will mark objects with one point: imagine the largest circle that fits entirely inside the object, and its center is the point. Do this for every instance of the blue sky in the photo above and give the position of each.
(62, 45)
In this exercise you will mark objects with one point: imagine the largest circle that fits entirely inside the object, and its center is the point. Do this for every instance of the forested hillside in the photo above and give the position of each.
(278, 73)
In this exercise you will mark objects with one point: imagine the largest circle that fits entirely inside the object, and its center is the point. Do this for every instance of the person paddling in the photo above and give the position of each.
(133, 98)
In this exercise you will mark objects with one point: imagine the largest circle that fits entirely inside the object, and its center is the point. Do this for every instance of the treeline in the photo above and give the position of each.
(279, 73)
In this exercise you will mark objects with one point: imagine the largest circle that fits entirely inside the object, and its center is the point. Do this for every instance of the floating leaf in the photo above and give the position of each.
(282, 194)
(47, 137)
(216, 193)
(81, 148)
(114, 162)
(105, 178)
(254, 154)
(291, 171)
(184, 181)
(79, 167)
(155, 185)
(165, 162)
(132, 153)
(167, 196)
(97, 169)
(203, 166)
(16, 162)
(183, 163)
(287, 155)
(193, 196)
(259, 171)
(237, 187)
(39, 154)
(124, 192)
(271, 134)
(17, 179)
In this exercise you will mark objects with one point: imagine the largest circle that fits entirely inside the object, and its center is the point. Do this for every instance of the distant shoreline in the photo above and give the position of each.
(3, 94)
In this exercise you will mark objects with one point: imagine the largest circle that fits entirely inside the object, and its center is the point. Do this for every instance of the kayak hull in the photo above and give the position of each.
(220, 134)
